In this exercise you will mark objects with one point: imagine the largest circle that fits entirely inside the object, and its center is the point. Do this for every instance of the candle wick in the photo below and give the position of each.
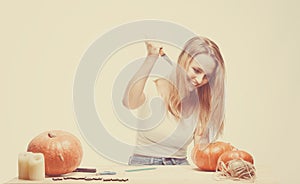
(51, 135)
(61, 157)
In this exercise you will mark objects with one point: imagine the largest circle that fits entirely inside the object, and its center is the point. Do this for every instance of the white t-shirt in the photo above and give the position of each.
(168, 137)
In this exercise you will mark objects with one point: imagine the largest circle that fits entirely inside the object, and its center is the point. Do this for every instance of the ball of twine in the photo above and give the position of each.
(236, 169)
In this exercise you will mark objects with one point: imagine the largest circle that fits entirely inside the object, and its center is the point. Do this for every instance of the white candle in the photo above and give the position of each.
(23, 165)
(36, 167)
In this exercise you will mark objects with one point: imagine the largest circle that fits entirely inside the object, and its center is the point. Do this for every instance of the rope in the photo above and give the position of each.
(236, 169)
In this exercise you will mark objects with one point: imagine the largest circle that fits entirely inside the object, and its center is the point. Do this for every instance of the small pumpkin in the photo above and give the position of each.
(236, 165)
(207, 158)
(235, 155)
(62, 151)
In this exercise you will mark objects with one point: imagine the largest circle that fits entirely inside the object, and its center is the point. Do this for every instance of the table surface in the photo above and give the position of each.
(161, 174)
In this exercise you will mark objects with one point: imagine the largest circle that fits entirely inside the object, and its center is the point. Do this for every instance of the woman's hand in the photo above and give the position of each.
(153, 50)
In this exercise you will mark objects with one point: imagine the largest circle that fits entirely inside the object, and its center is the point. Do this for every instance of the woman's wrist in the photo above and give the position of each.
(151, 57)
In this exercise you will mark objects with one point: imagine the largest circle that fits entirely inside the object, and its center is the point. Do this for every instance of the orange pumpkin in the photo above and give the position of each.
(235, 154)
(236, 165)
(62, 151)
(207, 158)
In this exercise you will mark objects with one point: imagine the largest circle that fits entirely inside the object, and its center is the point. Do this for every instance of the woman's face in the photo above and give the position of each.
(196, 75)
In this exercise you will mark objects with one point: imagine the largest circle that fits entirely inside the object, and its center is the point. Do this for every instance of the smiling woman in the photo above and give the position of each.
(193, 96)
(197, 75)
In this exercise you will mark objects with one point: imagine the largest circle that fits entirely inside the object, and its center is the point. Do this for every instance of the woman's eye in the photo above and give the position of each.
(197, 70)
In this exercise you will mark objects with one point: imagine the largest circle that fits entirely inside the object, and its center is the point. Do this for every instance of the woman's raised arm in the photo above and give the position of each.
(134, 94)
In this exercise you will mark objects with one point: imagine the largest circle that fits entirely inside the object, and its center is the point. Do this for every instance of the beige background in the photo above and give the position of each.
(42, 43)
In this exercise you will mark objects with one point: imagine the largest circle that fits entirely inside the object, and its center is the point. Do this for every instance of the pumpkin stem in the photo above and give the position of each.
(51, 135)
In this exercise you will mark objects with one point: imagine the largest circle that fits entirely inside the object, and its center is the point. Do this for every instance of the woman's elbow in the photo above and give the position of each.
(133, 103)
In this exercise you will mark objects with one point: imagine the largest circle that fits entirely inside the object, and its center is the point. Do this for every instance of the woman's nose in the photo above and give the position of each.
(199, 78)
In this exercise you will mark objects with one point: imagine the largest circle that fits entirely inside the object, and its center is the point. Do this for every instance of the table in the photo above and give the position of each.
(155, 175)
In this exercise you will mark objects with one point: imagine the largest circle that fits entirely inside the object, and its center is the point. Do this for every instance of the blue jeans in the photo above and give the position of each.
(147, 160)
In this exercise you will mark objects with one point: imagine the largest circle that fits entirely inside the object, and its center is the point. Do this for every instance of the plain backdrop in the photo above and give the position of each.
(42, 42)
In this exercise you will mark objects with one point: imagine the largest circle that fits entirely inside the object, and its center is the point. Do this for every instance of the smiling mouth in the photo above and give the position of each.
(195, 83)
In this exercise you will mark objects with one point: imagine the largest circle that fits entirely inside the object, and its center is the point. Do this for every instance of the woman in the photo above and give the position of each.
(193, 103)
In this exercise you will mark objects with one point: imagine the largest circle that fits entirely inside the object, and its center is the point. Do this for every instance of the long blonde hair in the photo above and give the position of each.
(211, 103)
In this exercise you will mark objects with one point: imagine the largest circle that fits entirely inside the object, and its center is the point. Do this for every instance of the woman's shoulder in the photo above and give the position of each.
(163, 86)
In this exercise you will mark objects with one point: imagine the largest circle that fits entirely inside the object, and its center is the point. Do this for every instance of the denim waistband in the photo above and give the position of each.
(148, 160)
